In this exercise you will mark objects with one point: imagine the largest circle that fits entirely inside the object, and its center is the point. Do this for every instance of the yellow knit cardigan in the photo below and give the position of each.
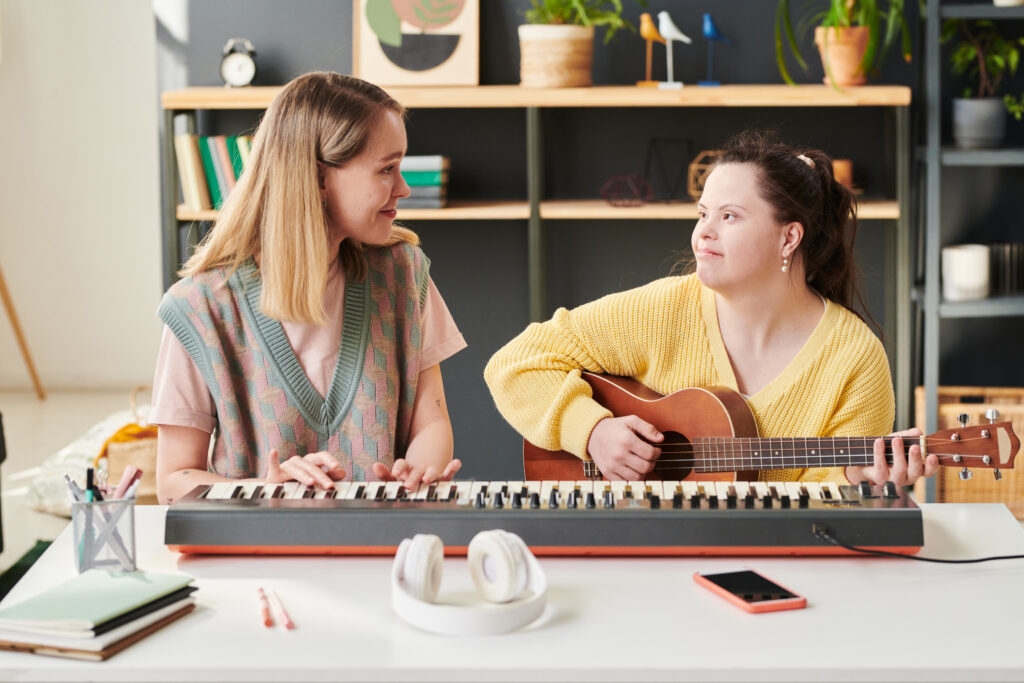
(665, 334)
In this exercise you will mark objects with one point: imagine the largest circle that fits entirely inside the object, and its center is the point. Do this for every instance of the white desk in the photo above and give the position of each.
(868, 619)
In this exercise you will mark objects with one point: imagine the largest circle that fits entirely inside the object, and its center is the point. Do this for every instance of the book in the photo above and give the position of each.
(189, 194)
(89, 600)
(244, 147)
(414, 178)
(223, 159)
(431, 191)
(198, 176)
(422, 203)
(103, 646)
(235, 155)
(210, 173)
(432, 162)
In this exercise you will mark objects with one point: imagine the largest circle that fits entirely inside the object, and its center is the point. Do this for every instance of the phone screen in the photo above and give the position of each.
(749, 586)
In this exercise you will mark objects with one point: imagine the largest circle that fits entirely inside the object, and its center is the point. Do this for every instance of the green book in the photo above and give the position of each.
(236, 157)
(90, 599)
(416, 178)
(210, 171)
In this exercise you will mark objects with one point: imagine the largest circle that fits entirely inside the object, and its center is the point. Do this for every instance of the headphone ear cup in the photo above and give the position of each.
(497, 563)
(422, 565)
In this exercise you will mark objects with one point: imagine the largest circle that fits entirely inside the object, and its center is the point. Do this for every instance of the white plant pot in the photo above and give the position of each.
(979, 123)
(555, 55)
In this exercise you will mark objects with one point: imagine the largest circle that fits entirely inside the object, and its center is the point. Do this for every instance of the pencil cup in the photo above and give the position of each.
(104, 534)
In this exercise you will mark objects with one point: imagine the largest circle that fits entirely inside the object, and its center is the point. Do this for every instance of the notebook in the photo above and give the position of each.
(88, 601)
(101, 647)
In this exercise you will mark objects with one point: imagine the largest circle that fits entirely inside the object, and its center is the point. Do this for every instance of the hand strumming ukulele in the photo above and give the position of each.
(710, 434)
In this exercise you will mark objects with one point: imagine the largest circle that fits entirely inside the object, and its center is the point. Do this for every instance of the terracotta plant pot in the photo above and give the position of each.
(842, 51)
(555, 55)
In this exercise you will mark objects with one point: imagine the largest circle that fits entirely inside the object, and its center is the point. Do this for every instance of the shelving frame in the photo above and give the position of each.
(535, 209)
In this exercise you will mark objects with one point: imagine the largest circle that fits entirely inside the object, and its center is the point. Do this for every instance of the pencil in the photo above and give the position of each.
(279, 610)
(268, 621)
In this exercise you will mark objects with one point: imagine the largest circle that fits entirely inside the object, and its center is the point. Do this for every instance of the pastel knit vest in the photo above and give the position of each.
(263, 398)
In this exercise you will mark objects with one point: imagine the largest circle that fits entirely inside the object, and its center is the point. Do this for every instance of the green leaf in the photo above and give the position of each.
(384, 22)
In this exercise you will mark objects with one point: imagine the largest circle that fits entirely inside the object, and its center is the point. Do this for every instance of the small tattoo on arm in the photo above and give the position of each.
(438, 403)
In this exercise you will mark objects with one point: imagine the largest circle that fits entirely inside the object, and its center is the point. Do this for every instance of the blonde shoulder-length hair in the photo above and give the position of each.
(275, 214)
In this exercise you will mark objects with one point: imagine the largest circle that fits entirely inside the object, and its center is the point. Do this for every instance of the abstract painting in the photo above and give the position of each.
(416, 42)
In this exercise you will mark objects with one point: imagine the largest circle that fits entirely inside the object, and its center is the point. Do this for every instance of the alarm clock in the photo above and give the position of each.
(238, 63)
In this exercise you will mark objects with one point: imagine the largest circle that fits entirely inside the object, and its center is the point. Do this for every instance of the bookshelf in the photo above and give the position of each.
(938, 157)
(535, 209)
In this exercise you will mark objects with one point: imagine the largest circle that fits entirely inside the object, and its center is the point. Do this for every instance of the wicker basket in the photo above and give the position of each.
(555, 56)
(982, 488)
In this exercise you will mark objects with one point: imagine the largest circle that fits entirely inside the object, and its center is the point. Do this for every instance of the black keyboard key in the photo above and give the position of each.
(534, 501)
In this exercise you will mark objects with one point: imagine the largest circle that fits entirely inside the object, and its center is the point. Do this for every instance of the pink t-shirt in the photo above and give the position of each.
(181, 397)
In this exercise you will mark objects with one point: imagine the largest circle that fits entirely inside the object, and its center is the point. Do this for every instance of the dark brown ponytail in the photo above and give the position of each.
(807, 193)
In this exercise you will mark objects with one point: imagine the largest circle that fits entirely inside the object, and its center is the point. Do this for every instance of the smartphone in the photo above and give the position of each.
(751, 591)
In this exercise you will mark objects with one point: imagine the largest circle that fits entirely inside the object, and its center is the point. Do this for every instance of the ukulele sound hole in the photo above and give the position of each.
(676, 460)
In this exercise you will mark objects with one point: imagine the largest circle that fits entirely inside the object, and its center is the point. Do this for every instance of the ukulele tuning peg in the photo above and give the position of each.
(965, 474)
(963, 419)
(992, 414)
(997, 474)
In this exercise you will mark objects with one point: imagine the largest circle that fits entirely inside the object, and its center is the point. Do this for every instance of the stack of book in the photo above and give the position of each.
(96, 614)
(427, 177)
(209, 167)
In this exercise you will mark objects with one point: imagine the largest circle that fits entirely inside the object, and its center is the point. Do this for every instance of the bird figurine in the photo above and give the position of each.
(671, 33)
(713, 35)
(649, 32)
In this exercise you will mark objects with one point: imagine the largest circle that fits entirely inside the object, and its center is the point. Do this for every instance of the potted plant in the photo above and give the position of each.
(979, 117)
(556, 45)
(853, 36)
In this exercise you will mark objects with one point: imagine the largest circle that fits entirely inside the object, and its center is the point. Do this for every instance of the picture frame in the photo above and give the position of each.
(416, 42)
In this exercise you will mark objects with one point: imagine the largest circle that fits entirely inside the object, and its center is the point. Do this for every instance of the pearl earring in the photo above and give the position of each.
(785, 264)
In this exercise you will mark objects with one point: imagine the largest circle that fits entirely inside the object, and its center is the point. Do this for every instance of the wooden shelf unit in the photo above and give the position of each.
(536, 208)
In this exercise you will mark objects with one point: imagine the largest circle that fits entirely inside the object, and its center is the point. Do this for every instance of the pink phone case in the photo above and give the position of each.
(798, 602)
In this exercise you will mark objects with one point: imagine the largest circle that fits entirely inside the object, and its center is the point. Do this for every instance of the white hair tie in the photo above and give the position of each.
(807, 160)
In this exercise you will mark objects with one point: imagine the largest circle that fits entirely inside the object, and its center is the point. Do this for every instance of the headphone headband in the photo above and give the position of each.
(489, 619)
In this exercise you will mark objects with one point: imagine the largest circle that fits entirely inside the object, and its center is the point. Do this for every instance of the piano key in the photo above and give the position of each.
(668, 488)
(221, 490)
(271, 491)
(722, 489)
(423, 492)
(341, 488)
(690, 490)
(391, 490)
(515, 487)
(585, 486)
(742, 488)
(476, 487)
(813, 489)
(249, 489)
(546, 487)
(293, 489)
(321, 494)
(792, 489)
(618, 489)
(760, 489)
(462, 489)
(833, 489)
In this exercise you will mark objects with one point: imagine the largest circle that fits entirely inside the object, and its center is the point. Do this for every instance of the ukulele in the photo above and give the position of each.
(710, 434)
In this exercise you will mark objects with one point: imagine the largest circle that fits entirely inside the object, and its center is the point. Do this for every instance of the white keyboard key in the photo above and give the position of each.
(391, 490)
(690, 489)
(220, 490)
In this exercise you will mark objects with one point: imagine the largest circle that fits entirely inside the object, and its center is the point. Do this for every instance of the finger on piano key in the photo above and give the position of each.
(391, 490)
(444, 488)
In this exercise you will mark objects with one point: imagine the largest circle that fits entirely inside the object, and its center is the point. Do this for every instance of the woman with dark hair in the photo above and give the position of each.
(766, 312)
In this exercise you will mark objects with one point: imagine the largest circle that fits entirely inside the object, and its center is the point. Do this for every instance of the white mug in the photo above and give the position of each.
(965, 269)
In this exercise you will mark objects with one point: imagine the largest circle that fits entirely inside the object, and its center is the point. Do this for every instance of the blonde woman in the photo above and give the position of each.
(306, 334)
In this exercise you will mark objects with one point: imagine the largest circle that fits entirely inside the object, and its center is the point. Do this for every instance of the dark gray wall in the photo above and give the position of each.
(480, 266)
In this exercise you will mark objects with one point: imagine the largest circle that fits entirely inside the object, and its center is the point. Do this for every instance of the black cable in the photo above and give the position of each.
(823, 533)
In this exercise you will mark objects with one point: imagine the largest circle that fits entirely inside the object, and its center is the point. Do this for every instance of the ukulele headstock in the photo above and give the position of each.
(991, 446)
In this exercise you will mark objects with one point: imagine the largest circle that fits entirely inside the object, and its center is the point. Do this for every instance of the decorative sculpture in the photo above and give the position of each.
(649, 32)
(713, 35)
(671, 33)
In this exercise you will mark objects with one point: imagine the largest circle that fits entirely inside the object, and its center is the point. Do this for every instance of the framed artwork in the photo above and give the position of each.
(417, 42)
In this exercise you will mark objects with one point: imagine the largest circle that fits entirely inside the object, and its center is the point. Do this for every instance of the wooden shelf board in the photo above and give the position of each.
(508, 96)
(458, 210)
(599, 209)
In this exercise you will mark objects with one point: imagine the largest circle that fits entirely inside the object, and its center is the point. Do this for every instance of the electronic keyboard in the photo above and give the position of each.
(553, 517)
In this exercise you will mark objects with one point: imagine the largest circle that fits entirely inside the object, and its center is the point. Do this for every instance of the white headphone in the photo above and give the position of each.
(504, 571)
